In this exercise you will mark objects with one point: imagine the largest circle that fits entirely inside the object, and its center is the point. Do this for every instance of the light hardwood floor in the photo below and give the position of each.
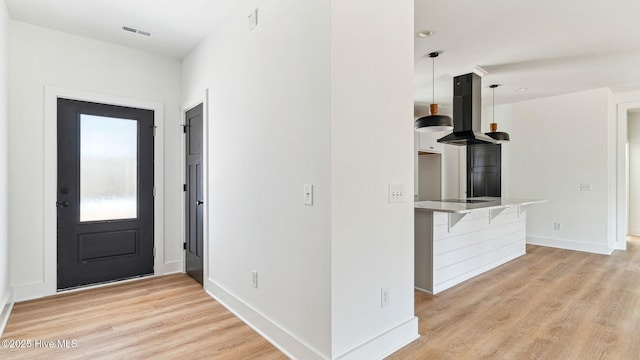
(550, 304)
(167, 317)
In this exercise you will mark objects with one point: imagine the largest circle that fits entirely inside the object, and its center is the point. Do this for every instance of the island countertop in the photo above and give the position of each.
(455, 240)
(460, 206)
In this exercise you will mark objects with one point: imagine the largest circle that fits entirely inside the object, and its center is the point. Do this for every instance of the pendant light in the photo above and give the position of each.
(434, 122)
(501, 137)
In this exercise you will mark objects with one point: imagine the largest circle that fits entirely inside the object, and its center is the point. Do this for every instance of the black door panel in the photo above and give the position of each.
(104, 235)
(194, 197)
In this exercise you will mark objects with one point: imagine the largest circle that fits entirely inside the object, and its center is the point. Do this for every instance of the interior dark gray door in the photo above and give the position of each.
(484, 170)
(105, 193)
(194, 199)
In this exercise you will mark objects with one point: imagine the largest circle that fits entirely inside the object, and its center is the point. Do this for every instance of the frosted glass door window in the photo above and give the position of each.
(108, 168)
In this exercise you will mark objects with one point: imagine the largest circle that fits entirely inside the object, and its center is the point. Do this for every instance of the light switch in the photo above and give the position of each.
(308, 194)
(253, 19)
(585, 187)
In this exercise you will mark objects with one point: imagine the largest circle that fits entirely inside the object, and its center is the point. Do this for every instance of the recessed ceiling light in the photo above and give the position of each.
(424, 33)
(520, 90)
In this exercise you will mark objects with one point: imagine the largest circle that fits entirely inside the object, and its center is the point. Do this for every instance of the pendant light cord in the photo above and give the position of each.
(433, 80)
(493, 105)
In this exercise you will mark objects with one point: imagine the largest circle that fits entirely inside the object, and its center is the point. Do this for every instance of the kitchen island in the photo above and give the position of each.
(458, 239)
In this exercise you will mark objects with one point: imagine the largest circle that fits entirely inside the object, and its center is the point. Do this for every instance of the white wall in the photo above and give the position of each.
(287, 102)
(371, 147)
(4, 159)
(40, 57)
(269, 134)
(556, 144)
(450, 171)
(430, 177)
(454, 180)
(634, 172)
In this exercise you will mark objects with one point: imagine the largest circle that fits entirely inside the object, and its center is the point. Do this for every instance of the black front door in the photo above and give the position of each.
(484, 170)
(194, 199)
(105, 193)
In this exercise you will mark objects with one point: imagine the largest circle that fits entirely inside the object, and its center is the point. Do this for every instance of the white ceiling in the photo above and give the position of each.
(176, 26)
(550, 47)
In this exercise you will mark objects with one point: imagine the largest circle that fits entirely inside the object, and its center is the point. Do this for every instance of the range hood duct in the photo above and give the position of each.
(467, 110)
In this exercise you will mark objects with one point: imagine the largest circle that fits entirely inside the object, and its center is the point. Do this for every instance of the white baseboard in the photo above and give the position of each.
(570, 245)
(281, 339)
(376, 348)
(170, 268)
(423, 290)
(633, 232)
(29, 291)
(5, 310)
(386, 343)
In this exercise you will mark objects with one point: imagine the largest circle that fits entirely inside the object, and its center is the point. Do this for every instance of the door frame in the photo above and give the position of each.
(203, 99)
(50, 166)
(622, 205)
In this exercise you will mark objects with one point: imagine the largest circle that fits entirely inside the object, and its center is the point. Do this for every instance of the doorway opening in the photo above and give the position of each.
(633, 172)
(626, 114)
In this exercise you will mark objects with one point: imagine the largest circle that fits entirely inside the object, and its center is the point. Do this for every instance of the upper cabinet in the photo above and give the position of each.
(428, 142)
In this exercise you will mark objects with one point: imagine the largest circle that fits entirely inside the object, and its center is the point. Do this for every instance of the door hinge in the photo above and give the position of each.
(154, 251)
(184, 246)
(154, 191)
(184, 128)
(154, 129)
(184, 187)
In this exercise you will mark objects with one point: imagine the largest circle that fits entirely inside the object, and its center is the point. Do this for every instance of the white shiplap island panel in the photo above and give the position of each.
(451, 249)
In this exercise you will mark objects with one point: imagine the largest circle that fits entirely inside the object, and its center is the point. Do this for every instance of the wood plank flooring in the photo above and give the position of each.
(168, 317)
(550, 304)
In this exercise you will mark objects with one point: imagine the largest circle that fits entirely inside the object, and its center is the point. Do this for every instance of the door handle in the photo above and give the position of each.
(199, 202)
(62, 204)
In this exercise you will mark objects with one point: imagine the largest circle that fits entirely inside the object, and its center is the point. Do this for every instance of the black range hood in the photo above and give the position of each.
(467, 109)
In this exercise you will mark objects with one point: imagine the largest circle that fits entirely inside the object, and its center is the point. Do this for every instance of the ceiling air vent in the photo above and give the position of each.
(136, 31)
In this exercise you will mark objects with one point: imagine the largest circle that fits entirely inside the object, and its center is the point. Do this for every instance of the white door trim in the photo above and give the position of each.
(204, 100)
(51, 174)
(622, 175)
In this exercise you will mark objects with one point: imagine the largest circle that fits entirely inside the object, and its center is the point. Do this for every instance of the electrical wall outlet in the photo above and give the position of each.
(384, 297)
(396, 193)
(254, 279)
(557, 226)
(585, 187)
